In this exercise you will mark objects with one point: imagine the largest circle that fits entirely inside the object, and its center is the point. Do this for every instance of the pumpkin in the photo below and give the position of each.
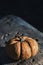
(21, 47)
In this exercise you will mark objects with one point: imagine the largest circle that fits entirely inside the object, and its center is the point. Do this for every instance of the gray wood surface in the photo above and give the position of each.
(9, 26)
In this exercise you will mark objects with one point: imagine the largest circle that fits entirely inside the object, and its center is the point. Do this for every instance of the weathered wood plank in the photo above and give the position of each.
(9, 26)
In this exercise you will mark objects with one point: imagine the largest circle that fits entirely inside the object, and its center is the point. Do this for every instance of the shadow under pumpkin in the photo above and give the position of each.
(4, 59)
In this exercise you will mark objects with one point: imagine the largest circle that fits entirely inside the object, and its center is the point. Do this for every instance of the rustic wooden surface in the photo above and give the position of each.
(9, 26)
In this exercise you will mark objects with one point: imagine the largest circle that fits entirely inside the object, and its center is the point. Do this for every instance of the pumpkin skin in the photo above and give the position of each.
(21, 47)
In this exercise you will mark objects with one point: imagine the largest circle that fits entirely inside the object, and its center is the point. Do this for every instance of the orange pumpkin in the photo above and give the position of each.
(21, 47)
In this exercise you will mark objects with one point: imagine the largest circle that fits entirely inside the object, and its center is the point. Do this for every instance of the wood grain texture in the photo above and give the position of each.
(9, 26)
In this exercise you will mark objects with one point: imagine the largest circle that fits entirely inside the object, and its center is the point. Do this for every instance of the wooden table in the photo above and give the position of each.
(9, 26)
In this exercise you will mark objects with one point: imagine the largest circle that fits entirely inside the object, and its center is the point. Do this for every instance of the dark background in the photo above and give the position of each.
(31, 11)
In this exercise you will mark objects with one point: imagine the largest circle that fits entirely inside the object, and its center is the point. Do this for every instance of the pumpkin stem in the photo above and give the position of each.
(21, 39)
(17, 35)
